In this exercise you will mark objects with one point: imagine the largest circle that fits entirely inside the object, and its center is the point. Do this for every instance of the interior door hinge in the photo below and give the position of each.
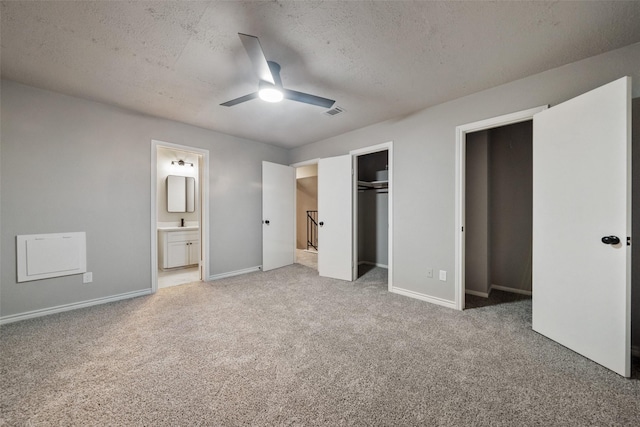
(628, 240)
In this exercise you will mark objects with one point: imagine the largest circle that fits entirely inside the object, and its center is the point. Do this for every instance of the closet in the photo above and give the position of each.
(498, 208)
(372, 211)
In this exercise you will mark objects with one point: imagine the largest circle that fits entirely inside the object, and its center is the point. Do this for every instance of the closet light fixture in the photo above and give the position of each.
(180, 163)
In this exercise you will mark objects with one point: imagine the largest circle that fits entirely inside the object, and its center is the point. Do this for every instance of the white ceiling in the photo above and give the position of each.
(378, 60)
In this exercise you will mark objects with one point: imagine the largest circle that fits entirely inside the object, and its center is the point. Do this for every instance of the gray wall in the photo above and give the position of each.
(74, 165)
(477, 212)
(424, 159)
(511, 205)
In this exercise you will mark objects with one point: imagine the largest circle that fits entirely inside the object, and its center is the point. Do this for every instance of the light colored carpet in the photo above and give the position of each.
(287, 347)
(177, 277)
(308, 258)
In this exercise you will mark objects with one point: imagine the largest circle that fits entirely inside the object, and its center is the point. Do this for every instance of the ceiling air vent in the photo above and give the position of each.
(334, 111)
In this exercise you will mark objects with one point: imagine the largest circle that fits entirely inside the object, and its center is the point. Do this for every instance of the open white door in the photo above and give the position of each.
(335, 189)
(582, 193)
(278, 222)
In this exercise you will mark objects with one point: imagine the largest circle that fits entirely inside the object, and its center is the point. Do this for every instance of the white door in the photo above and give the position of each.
(335, 189)
(278, 201)
(581, 193)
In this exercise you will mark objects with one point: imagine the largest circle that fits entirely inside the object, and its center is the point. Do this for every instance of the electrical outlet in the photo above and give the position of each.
(443, 275)
(87, 277)
(430, 273)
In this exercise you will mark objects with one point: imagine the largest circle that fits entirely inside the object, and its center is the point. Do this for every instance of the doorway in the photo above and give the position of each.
(179, 214)
(480, 278)
(372, 214)
(307, 215)
(499, 214)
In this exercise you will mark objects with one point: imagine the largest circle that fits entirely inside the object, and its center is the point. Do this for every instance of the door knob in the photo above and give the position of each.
(266, 222)
(321, 223)
(610, 240)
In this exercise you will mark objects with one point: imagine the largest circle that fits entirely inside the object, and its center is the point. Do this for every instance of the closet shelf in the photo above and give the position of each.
(365, 185)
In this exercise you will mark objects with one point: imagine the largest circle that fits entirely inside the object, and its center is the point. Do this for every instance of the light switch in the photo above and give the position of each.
(443, 275)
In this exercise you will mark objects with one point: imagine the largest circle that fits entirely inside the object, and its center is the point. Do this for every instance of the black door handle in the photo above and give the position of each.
(266, 222)
(610, 240)
(321, 223)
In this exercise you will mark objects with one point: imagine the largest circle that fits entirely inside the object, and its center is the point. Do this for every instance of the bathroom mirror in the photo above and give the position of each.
(181, 194)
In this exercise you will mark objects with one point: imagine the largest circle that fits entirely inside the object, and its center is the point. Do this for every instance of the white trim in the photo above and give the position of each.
(477, 293)
(423, 297)
(386, 146)
(234, 273)
(508, 289)
(371, 149)
(305, 163)
(73, 306)
(461, 132)
(203, 172)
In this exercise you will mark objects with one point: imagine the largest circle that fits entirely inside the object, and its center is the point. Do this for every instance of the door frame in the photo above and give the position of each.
(386, 146)
(461, 150)
(203, 177)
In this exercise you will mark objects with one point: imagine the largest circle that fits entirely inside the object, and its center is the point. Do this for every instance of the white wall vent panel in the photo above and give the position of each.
(41, 256)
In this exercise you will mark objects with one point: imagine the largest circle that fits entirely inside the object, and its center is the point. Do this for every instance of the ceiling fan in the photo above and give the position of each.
(270, 86)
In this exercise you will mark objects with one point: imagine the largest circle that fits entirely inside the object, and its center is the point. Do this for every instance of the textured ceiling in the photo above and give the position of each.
(378, 60)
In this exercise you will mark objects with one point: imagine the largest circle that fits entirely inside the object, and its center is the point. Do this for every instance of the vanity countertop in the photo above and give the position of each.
(178, 228)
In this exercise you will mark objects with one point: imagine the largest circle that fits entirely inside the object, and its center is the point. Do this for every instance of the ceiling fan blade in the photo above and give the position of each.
(241, 99)
(308, 99)
(256, 55)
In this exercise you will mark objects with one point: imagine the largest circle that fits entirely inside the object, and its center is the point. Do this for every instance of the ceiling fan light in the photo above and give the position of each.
(270, 94)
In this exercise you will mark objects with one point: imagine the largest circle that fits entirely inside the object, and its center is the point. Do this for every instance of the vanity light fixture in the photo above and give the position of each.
(180, 163)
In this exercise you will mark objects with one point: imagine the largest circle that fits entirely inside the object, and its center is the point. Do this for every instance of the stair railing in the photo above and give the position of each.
(312, 230)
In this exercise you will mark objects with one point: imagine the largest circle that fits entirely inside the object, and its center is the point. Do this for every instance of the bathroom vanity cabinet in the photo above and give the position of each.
(178, 247)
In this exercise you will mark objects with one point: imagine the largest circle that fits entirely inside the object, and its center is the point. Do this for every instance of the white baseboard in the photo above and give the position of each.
(73, 306)
(498, 288)
(373, 263)
(423, 297)
(508, 289)
(234, 273)
(477, 293)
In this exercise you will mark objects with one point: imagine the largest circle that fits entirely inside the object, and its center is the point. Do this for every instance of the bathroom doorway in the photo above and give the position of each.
(178, 214)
